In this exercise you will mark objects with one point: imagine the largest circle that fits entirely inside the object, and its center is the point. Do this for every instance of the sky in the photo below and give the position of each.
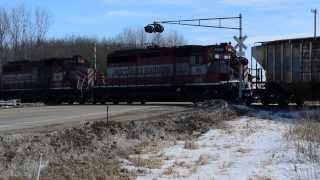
(263, 19)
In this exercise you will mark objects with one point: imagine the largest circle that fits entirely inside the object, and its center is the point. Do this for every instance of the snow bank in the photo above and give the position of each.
(250, 147)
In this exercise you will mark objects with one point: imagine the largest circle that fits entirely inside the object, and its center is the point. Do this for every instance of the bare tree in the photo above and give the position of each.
(137, 38)
(157, 40)
(4, 31)
(15, 30)
(42, 24)
(23, 31)
(141, 38)
(132, 38)
(4, 27)
(173, 38)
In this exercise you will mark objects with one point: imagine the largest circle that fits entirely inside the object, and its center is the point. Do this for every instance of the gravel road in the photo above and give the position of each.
(50, 117)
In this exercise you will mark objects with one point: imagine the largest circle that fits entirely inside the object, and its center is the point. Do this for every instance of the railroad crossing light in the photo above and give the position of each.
(149, 29)
(158, 28)
(154, 28)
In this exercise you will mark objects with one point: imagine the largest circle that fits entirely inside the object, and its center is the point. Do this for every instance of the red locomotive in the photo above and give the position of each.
(51, 80)
(185, 73)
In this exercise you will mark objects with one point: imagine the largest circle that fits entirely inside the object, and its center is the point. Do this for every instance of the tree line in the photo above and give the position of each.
(24, 36)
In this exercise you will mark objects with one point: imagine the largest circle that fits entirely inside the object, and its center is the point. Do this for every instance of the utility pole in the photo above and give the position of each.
(315, 11)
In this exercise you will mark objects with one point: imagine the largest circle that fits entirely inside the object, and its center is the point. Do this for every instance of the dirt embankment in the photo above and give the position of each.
(92, 150)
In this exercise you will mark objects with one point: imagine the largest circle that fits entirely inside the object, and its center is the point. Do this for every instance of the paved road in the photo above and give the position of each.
(24, 118)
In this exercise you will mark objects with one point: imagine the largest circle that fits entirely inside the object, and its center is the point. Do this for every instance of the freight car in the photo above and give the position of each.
(292, 69)
(54, 80)
(185, 73)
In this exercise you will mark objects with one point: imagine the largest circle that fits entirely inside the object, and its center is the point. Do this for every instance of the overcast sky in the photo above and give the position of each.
(263, 19)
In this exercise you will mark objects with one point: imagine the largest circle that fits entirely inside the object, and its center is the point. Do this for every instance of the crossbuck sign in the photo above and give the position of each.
(240, 45)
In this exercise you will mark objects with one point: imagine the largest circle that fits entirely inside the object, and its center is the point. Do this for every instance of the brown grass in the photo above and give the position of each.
(225, 165)
(260, 178)
(243, 150)
(148, 147)
(169, 171)
(83, 170)
(191, 145)
(203, 160)
(306, 139)
(151, 162)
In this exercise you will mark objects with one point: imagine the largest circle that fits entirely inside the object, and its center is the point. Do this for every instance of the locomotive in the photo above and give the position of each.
(184, 73)
(51, 81)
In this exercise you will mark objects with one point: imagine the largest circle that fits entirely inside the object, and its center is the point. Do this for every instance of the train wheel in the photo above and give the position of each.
(102, 102)
(299, 102)
(82, 101)
(115, 102)
(283, 103)
(247, 102)
(195, 101)
(264, 102)
(143, 102)
(282, 100)
(129, 102)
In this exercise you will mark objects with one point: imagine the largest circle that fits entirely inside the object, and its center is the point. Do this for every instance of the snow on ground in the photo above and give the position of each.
(250, 147)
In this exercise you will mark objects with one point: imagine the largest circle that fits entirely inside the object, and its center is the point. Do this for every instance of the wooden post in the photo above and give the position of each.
(107, 114)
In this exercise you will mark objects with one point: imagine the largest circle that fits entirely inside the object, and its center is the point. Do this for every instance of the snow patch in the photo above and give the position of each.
(247, 148)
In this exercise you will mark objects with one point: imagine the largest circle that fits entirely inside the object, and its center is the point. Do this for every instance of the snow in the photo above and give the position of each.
(249, 147)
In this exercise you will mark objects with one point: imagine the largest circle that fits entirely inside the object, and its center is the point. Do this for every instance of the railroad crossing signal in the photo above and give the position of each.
(240, 44)
(154, 28)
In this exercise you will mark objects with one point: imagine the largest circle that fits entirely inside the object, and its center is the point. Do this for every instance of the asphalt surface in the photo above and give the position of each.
(57, 116)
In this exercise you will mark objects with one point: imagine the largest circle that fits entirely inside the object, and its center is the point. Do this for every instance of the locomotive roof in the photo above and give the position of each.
(152, 49)
(55, 59)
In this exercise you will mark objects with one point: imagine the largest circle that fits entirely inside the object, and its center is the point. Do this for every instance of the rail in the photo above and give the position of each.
(13, 102)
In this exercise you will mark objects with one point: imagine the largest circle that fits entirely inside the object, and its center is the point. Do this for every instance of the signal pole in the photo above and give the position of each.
(315, 11)
(95, 61)
(95, 56)
(241, 54)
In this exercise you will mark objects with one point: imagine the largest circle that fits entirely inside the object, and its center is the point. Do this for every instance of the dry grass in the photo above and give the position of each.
(225, 165)
(148, 147)
(191, 145)
(306, 139)
(259, 178)
(16, 178)
(151, 162)
(83, 170)
(170, 171)
(203, 160)
(243, 150)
